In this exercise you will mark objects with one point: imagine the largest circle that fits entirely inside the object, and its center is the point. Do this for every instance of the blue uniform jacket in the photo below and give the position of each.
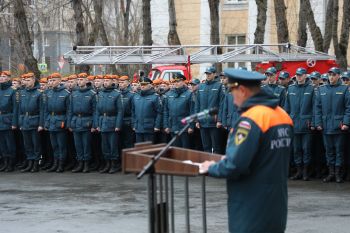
(333, 108)
(31, 108)
(209, 95)
(9, 99)
(56, 108)
(109, 110)
(256, 167)
(229, 114)
(277, 90)
(300, 106)
(146, 111)
(177, 105)
(82, 109)
(126, 99)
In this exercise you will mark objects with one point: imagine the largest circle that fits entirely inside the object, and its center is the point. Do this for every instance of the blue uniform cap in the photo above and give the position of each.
(334, 70)
(345, 75)
(210, 70)
(284, 75)
(301, 71)
(324, 76)
(315, 75)
(195, 81)
(145, 80)
(271, 70)
(179, 77)
(239, 75)
(242, 68)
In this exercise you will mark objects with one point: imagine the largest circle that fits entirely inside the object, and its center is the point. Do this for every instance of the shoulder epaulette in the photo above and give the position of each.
(93, 91)
(67, 91)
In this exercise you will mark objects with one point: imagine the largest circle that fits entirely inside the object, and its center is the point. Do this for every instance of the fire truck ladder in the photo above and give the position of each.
(195, 54)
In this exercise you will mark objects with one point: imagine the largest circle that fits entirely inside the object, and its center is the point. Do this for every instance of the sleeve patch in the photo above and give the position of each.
(241, 135)
(244, 125)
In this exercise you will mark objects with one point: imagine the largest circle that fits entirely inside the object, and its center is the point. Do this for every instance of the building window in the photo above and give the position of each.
(236, 1)
(235, 5)
(235, 40)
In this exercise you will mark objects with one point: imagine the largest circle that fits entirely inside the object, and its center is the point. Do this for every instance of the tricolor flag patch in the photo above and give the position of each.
(244, 125)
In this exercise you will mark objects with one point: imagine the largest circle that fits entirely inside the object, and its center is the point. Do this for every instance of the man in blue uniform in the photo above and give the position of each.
(31, 120)
(299, 105)
(210, 95)
(8, 121)
(177, 105)
(82, 110)
(146, 112)
(56, 117)
(109, 117)
(127, 135)
(196, 141)
(257, 156)
(271, 85)
(333, 118)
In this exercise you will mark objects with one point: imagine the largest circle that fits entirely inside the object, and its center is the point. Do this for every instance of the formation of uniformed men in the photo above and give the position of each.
(81, 122)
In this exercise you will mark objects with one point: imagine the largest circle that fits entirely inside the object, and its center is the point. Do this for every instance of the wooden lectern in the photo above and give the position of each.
(169, 165)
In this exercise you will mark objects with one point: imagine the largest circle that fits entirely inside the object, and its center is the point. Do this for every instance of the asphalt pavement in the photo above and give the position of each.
(96, 203)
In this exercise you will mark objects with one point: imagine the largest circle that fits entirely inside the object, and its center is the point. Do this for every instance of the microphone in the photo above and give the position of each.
(199, 116)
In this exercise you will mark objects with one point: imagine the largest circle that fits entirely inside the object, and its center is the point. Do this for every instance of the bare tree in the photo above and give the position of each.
(173, 37)
(341, 46)
(315, 31)
(214, 27)
(328, 27)
(24, 37)
(147, 24)
(80, 29)
(281, 21)
(260, 22)
(302, 29)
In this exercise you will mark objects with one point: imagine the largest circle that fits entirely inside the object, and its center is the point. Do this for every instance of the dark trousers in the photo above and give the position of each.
(334, 144)
(195, 140)
(46, 146)
(302, 149)
(71, 153)
(7, 144)
(59, 144)
(318, 159)
(183, 141)
(96, 148)
(109, 144)
(20, 156)
(31, 142)
(211, 140)
(82, 142)
(144, 137)
(127, 137)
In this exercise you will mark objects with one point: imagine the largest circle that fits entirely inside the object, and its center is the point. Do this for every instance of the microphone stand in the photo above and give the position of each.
(150, 170)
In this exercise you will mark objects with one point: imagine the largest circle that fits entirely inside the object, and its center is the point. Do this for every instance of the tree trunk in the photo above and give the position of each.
(79, 30)
(24, 37)
(344, 36)
(214, 27)
(302, 30)
(126, 16)
(281, 22)
(335, 14)
(147, 28)
(173, 37)
(314, 29)
(98, 17)
(259, 33)
(328, 27)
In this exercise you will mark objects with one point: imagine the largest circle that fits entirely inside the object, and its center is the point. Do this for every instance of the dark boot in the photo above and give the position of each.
(70, 166)
(54, 166)
(86, 167)
(330, 176)
(35, 167)
(10, 165)
(348, 174)
(47, 165)
(23, 165)
(106, 167)
(4, 165)
(298, 175)
(306, 173)
(29, 166)
(338, 175)
(115, 167)
(79, 167)
(60, 166)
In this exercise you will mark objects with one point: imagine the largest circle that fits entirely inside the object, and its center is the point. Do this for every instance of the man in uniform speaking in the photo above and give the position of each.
(257, 156)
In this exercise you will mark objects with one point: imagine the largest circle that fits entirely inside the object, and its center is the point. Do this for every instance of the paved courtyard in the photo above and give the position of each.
(48, 202)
